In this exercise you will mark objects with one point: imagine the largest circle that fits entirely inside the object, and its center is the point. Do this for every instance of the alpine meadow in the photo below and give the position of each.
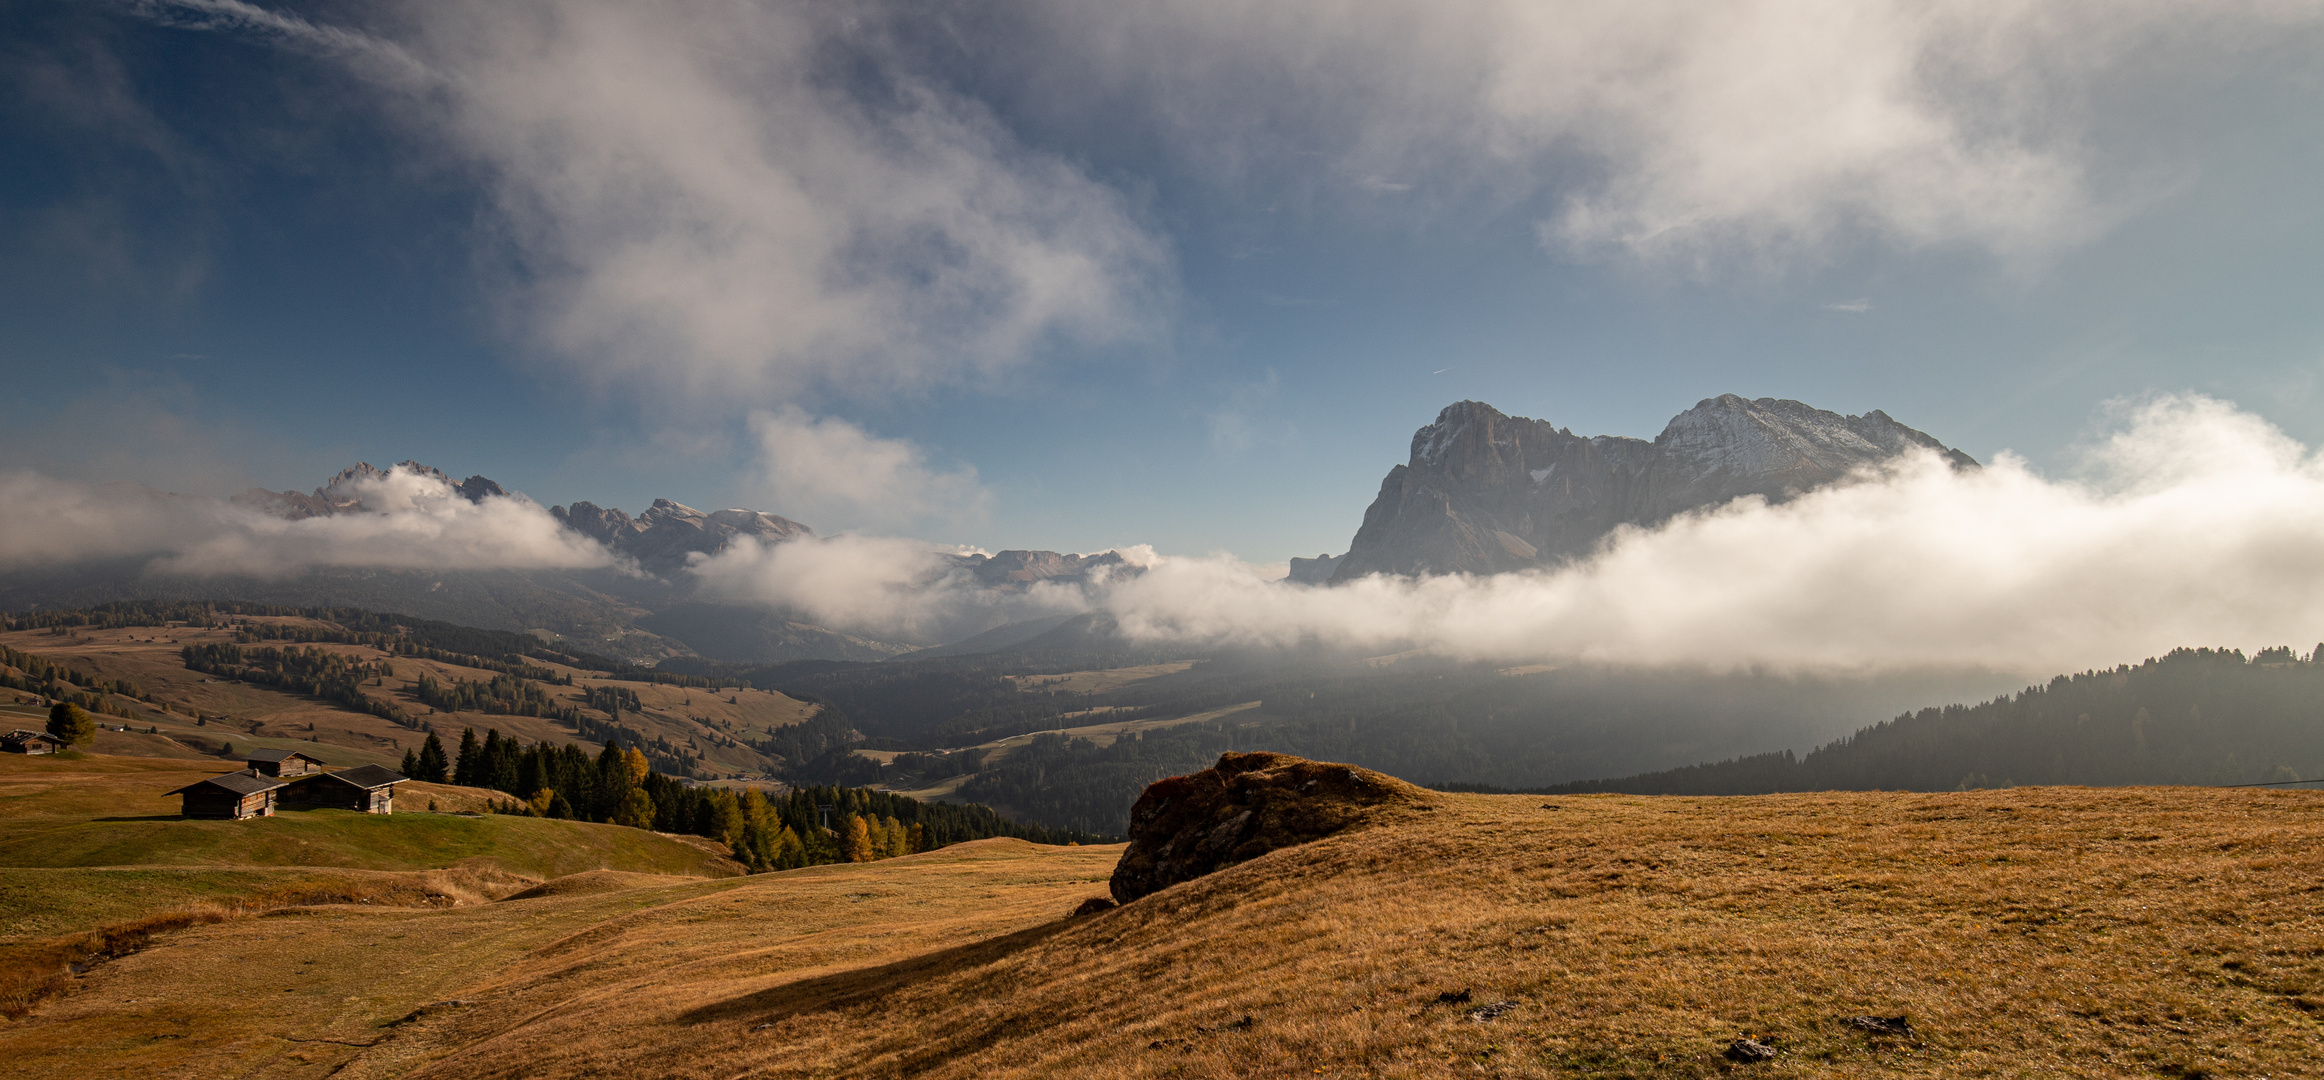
(1357, 538)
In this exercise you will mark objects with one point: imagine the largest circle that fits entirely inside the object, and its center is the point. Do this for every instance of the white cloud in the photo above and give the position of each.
(901, 590)
(835, 475)
(1757, 132)
(410, 521)
(706, 198)
(2191, 524)
(701, 201)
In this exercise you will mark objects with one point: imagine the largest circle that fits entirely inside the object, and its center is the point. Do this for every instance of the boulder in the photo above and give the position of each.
(1243, 807)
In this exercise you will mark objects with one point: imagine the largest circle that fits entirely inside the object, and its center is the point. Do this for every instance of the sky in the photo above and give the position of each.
(1180, 274)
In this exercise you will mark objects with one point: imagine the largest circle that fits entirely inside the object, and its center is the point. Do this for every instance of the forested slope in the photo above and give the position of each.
(2195, 716)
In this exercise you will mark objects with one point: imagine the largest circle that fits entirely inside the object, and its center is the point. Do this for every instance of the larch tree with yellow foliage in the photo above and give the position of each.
(859, 840)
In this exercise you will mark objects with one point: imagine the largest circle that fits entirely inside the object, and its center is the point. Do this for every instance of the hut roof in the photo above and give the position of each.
(277, 755)
(28, 735)
(245, 782)
(366, 777)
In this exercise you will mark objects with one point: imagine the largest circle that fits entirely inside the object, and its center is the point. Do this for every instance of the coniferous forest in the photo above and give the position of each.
(2196, 716)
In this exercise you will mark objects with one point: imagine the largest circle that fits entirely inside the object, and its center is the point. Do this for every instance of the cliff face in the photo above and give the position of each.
(1485, 492)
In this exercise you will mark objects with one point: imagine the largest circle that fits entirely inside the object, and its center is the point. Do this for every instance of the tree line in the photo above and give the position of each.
(452, 643)
(802, 827)
(334, 677)
(58, 682)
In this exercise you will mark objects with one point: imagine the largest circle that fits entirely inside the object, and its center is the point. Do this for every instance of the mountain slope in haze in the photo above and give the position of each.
(1485, 492)
(2195, 716)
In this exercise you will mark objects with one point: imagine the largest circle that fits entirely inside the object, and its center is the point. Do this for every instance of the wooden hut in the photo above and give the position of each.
(233, 797)
(30, 742)
(282, 762)
(368, 789)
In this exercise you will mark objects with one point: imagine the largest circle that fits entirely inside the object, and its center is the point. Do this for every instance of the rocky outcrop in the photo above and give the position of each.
(1485, 492)
(1315, 571)
(1243, 807)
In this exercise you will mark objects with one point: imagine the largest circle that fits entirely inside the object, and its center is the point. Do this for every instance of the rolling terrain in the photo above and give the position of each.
(710, 730)
(2087, 932)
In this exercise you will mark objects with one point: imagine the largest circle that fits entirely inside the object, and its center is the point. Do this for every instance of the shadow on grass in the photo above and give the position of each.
(825, 993)
(146, 817)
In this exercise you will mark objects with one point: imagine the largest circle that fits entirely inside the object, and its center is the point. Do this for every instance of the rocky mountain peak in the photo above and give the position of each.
(1485, 492)
(1018, 568)
(667, 533)
(340, 494)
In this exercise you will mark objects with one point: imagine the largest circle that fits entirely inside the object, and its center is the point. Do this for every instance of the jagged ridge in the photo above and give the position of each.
(1485, 492)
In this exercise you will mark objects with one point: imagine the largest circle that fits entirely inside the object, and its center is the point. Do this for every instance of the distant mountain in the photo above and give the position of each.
(663, 536)
(1485, 492)
(1019, 568)
(641, 619)
(337, 495)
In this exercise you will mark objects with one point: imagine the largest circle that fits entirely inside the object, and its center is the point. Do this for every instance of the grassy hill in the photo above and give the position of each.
(193, 714)
(91, 840)
(2128, 932)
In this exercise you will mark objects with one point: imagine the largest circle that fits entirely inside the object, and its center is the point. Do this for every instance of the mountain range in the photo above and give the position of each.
(1485, 492)
(1482, 492)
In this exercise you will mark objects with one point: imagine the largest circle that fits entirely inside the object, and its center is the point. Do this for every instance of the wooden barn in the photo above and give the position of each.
(366, 788)
(282, 762)
(30, 742)
(232, 797)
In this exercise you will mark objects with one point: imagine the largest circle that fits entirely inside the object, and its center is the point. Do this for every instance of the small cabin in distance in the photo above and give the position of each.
(282, 762)
(30, 742)
(368, 789)
(232, 797)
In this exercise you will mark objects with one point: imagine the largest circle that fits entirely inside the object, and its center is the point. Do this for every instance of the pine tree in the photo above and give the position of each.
(432, 766)
(471, 762)
(411, 763)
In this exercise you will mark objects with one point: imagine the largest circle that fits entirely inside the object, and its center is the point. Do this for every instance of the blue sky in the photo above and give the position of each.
(1187, 276)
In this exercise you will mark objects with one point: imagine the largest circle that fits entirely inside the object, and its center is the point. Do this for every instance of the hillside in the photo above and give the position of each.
(2194, 716)
(705, 730)
(100, 835)
(2104, 933)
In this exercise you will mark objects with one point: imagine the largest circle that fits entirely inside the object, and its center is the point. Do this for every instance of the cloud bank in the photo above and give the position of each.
(832, 472)
(409, 521)
(2189, 523)
(881, 586)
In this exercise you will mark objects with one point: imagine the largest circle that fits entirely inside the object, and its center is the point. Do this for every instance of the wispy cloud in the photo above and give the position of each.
(738, 203)
(1739, 135)
(1852, 307)
(835, 475)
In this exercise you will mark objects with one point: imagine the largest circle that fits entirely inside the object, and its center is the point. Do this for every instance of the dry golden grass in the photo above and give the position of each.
(2124, 932)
